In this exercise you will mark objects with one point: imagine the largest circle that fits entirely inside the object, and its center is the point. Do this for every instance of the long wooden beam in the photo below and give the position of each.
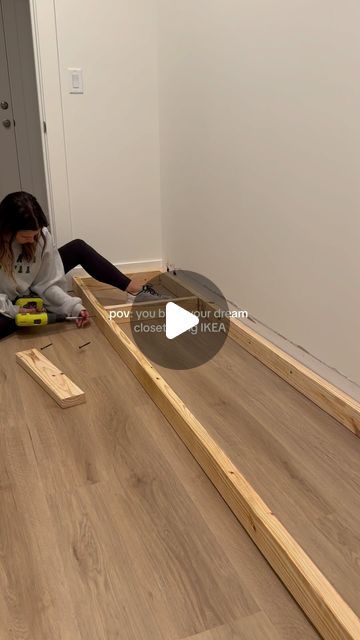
(329, 613)
(325, 395)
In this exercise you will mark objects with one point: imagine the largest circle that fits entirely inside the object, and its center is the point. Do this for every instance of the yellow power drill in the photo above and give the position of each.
(37, 316)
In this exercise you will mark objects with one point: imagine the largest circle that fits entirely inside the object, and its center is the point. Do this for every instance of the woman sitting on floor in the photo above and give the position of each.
(30, 265)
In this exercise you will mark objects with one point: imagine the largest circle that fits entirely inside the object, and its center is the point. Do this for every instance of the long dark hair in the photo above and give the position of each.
(19, 211)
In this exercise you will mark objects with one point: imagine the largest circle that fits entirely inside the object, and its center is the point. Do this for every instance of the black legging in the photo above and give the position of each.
(75, 253)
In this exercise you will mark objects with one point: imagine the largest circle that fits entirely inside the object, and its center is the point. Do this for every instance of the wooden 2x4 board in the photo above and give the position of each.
(330, 614)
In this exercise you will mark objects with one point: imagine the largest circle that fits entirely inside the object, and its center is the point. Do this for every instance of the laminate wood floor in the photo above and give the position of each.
(108, 527)
(302, 462)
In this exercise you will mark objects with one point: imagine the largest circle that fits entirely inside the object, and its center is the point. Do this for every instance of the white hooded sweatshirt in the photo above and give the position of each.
(44, 276)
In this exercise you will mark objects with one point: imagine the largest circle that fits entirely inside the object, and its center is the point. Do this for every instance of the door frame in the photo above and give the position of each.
(43, 19)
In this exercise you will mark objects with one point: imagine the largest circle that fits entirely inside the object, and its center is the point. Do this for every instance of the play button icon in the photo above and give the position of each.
(178, 320)
(183, 329)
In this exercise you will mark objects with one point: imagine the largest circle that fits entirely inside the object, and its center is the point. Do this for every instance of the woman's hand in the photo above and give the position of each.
(83, 319)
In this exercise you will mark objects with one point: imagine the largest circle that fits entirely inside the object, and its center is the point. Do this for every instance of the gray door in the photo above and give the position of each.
(9, 166)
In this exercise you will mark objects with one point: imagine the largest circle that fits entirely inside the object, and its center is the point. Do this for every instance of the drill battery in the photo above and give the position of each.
(37, 315)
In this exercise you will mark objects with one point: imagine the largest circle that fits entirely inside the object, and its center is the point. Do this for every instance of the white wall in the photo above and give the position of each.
(105, 173)
(260, 160)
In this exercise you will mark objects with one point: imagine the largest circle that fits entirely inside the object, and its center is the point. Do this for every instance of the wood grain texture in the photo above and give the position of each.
(331, 399)
(255, 627)
(299, 459)
(143, 277)
(65, 392)
(108, 527)
(326, 609)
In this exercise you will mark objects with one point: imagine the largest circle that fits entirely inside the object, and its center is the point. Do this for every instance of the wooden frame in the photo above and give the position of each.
(329, 613)
(142, 277)
(190, 303)
(325, 395)
(187, 302)
(49, 377)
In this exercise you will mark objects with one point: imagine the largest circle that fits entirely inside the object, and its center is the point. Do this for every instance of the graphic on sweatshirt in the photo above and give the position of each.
(22, 266)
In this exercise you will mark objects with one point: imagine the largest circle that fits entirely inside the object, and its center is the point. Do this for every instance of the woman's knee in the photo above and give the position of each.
(79, 244)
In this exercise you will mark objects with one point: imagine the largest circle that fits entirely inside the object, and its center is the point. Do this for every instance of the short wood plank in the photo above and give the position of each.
(50, 378)
(325, 395)
(329, 613)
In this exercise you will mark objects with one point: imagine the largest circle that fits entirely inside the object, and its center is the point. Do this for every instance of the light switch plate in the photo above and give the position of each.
(76, 84)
